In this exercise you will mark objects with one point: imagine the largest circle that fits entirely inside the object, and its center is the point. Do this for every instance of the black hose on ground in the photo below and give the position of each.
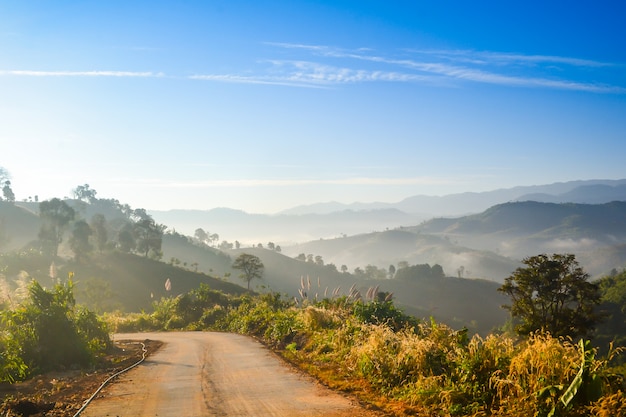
(86, 403)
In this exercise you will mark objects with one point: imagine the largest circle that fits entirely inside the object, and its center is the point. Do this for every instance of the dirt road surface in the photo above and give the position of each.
(199, 374)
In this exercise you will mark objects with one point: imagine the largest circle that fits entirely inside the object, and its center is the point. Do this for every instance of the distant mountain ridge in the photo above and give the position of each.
(491, 244)
(333, 219)
(586, 192)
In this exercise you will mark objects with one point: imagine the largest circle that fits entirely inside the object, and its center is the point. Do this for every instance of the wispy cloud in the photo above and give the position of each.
(327, 66)
(245, 183)
(504, 58)
(317, 75)
(28, 73)
(320, 66)
(239, 79)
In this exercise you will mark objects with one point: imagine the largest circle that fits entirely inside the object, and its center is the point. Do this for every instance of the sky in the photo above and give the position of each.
(266, 105)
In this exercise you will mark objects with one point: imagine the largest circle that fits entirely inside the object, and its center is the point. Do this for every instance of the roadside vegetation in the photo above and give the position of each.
(47, 331)
(405, 366)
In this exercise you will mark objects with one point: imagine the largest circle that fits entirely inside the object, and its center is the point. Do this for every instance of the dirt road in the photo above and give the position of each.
(216, 374)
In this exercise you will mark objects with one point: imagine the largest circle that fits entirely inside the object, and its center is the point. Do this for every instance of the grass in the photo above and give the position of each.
(404, 366)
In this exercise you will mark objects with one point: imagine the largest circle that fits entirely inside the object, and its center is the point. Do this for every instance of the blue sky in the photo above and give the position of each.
(265, 105)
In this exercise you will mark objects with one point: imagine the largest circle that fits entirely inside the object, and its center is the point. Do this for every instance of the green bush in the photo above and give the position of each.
(48, 332)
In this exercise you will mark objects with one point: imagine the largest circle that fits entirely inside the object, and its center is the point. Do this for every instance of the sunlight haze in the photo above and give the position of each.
(266, 105)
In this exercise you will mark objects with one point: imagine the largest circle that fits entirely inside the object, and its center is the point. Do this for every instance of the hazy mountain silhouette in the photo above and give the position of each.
(333, 219)
(590, 192)
(490, 244)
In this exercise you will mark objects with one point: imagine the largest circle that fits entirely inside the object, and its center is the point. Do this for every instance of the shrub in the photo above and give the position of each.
(48, 331)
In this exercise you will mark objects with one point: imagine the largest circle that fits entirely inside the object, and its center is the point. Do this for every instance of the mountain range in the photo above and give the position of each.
(329, 220)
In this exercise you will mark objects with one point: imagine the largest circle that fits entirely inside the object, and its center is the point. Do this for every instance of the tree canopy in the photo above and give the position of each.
(250, 266)
(56, 216)
(552, 293)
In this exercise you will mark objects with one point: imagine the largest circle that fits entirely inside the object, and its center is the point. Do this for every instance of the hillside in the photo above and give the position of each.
(490, 244)
(383, 249)
(114, 280)
(596, 233)
(475, 304)
(18, 226)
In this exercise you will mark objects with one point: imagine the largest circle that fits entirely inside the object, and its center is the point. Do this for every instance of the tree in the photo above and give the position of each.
(7, 192)
(200, 235)
(5, 182)
(84, 193)
(100, 233)
(79, 241)
(225, 245)
(552, 293)
(149, 237)
(56, 216)
(250, 266)
(126, 238)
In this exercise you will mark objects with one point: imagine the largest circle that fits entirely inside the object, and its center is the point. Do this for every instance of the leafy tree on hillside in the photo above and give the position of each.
(56, 216)
(140, 214)
(100, 233)
(552, 293)
(4, 175)
(250, 266)
(149, 237)
(84, 193)
(417, 272)
(201, 235)
(5, 182)
(7, 192)
(126, 238)
(613, 329)
(79, 241)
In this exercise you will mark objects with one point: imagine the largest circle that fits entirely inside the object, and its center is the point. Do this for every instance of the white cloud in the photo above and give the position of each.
(240, 183)
(29, 73)
(476, 66)
(319, 66)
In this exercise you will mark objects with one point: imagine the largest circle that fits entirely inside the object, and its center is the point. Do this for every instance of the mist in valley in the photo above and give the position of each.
(338, 250)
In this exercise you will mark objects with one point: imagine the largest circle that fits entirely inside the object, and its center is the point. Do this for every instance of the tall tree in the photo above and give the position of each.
(7, 192)
(84, 193)
(56, 215)
(100, 232)
(552, 293)
(79, 241)
(126, 238)
(149, 237)
(250, 266)
(5, 183)
(201, 235)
